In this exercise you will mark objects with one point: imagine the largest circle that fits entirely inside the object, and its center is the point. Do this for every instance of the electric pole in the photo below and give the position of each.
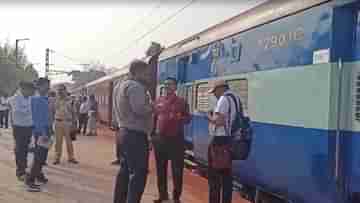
(47, 68)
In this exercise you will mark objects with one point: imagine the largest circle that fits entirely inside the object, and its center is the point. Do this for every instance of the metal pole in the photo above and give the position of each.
(16, 53)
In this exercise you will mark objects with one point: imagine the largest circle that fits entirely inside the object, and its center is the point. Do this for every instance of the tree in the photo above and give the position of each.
(10, 75)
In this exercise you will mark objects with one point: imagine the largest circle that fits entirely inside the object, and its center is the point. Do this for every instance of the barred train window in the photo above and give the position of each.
(357, 98)
(202, 97)
(240, 87)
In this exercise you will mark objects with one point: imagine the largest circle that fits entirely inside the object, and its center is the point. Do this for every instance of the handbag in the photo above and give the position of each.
(220, 156)
(241, 132)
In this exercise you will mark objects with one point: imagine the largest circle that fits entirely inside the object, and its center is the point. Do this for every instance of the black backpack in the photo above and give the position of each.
(241, 130)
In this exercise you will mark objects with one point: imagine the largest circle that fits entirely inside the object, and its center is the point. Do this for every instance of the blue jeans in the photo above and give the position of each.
(134, 162)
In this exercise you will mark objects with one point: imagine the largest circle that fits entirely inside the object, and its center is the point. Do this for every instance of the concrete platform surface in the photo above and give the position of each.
(91, 181)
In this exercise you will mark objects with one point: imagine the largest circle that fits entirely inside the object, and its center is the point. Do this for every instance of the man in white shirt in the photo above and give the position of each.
(22, 125)
(222, 118)
(83, 115)
(4, 111)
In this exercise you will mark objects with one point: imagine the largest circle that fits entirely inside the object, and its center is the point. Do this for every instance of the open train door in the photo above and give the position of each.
(346, 57)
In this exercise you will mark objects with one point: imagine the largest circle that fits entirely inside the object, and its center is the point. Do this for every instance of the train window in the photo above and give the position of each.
(202, 97)
(357, 98)
(194, 58)
(240, 87)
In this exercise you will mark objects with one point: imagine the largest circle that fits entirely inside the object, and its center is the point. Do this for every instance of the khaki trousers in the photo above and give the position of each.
(62, 130)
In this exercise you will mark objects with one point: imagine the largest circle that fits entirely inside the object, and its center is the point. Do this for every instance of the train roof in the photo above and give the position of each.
(262, 14)
(112, 76)
(120, 72)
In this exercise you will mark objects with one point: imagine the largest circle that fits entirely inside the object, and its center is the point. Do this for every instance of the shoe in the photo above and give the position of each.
(32, 187)
(22, 178)
(56, 162)
(73, 161)
(42, 180)
(176, 201)
(161, 201)
(116, 162)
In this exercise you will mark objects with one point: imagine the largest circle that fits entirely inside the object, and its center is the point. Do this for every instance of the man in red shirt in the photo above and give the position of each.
(171, 114)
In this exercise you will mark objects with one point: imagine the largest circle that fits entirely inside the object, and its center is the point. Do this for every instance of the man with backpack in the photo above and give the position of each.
(228, 123)
(171, 114)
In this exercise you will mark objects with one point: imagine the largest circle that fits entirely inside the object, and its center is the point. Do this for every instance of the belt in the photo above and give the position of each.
(137, 132)
(61, 120)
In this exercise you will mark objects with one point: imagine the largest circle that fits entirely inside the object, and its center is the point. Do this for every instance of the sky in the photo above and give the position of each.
(83, 32)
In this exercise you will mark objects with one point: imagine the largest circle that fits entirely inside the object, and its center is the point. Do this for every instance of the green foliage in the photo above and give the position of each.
(10, 75)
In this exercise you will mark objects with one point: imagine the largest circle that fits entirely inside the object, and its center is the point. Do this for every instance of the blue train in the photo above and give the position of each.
(296, 66)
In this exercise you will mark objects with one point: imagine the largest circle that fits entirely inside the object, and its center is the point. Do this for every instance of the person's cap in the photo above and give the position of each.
(215, 84)
(26, 84)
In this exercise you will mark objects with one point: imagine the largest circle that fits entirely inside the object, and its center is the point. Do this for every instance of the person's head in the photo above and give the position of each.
(218, 88)
(52, 94)
(139, 71)
(43, 86)
(61, 91)
(170, 86)
(27, 88)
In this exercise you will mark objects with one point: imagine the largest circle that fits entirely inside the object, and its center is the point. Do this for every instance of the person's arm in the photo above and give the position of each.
(138, 101)
(186, 114)
(35, 116)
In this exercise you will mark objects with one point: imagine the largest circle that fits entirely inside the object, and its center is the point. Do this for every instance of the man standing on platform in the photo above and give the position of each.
(63, 125)
(4, 111)
(171, 114)
(22, 122)
(134, 116)
(42, 133)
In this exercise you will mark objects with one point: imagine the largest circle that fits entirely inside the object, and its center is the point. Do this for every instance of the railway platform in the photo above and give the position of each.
(91, 181)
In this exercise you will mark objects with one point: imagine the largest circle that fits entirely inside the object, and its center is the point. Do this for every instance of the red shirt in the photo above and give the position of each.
(171, 113)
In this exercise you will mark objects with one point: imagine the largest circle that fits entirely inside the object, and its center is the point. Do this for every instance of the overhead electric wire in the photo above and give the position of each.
(137, 40)
(142, 20)
(67, 57)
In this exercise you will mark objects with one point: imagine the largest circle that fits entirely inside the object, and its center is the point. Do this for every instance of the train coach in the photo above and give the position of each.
(103, 88)
(295, 65)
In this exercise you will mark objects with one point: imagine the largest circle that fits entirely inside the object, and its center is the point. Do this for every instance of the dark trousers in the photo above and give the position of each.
(22, 136)
(117, 145)
(45, 155)
(83, 120)
(4, 119)
(134, 162)
(40, 156)
(169, 149)
(220, 181)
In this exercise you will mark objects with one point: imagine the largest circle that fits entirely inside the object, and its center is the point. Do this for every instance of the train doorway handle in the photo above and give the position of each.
(338, 124)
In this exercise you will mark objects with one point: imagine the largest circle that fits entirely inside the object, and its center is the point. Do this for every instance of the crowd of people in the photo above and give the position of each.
(144, 124)
(38, 118)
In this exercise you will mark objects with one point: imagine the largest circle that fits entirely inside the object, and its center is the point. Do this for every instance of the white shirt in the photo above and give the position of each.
(21, 110)
(84, 107)
(222, 107)
(3, 104)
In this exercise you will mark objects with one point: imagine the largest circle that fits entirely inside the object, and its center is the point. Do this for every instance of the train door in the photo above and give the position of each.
(346, 54)
(202, 103)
